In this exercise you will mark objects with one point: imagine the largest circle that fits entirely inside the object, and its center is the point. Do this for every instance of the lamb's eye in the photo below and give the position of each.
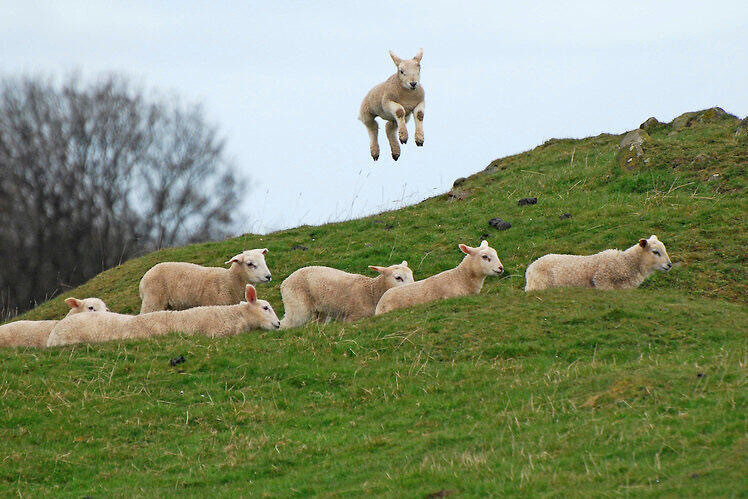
(487, 258)
(91, 309)
(251, 265)
(656, 252)
(266, 307)
(398, 278)
(402, 72)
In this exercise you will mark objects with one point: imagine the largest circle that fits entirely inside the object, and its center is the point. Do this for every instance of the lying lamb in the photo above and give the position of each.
(35, 333)
(609, 269)
(213, 321)
(394, 100)
(181, 285)
(334, 294)
(465, 279)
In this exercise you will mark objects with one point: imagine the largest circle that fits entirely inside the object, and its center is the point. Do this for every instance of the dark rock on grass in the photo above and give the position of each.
(632, 149)
(564, 216)
(298, 247)
(177, 360)
(499, 224)
(459, 182)
(484, 235)
(389, 227)
(526, 201)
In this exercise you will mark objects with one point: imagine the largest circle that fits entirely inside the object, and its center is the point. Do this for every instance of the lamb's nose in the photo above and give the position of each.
(269, 277)
(413, 84)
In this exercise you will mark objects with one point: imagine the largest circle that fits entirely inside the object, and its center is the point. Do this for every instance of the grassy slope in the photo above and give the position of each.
(569, 391)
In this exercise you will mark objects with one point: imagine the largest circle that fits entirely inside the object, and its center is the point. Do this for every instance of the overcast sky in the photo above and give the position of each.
(284, 80)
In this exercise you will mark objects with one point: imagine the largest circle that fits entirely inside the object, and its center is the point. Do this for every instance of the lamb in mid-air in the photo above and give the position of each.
(609, 269)
(394, 100)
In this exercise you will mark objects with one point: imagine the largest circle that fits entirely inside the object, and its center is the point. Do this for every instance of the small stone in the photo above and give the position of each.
(631, 150)
(564, 216)
(713, 177)
(499, 224)
(298, 247)
(526, 201)
(177, 360)
(459, 181)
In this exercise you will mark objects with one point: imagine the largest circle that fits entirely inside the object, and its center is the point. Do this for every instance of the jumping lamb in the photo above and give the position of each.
(35, 333)
(609, 269)
(465, 279)
(181, 285)
(212, 321)
(333, 294)
(394, 100)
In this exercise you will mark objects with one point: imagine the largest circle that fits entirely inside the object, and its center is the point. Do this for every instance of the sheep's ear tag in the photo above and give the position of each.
(643, 243)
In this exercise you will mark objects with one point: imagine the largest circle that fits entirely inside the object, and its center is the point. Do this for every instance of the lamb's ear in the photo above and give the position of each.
(653, 237)
(250, 293)
(377, 268)
(73, 302)
(465, 248)
(405, 263)
(643, 243)
(395, 58)
(484, 244)
(419, 55)
(236, 259)
(264, 251)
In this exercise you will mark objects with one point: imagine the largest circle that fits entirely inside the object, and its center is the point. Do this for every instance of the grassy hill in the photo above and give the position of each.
(562, 392)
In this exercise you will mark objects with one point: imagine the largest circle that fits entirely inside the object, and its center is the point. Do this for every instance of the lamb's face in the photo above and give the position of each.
(399, 275)
(252, 264)
(86, 305)
(408, 70)
(260, 309)
(655, 255)
(395, 275)
(484, 259)
(268, 319)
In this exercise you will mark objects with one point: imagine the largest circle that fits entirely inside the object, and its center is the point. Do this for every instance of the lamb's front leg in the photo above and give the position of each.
(398, 112)
(418, 113)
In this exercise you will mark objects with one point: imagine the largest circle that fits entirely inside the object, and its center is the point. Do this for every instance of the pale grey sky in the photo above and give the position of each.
(284, 80)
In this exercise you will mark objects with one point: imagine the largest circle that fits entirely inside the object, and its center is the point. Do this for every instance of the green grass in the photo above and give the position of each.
(558, 393)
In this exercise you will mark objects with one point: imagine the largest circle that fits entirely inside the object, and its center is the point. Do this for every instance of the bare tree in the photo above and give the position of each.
(93, 174)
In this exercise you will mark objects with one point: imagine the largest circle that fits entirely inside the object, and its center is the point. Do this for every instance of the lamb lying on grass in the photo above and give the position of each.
(394, 100)
(334, 294)
(465, 279)
(180, 285)
(213, 321)
(609, 269)
(35, 333)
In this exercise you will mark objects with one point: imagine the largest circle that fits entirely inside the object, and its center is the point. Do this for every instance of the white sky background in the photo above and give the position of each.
(284, 80)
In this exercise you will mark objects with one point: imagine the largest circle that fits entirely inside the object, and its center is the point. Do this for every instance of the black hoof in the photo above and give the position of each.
(403, 141)
(376, 157)
(395, 156)
(419, 143)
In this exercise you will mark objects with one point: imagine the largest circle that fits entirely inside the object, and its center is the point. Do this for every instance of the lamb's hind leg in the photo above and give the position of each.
(373, 128)
(391, 128)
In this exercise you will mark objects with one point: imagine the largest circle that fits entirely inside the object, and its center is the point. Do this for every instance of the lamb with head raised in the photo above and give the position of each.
(609, 269)
(465, 279)
(330, 293)
(181, 285)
